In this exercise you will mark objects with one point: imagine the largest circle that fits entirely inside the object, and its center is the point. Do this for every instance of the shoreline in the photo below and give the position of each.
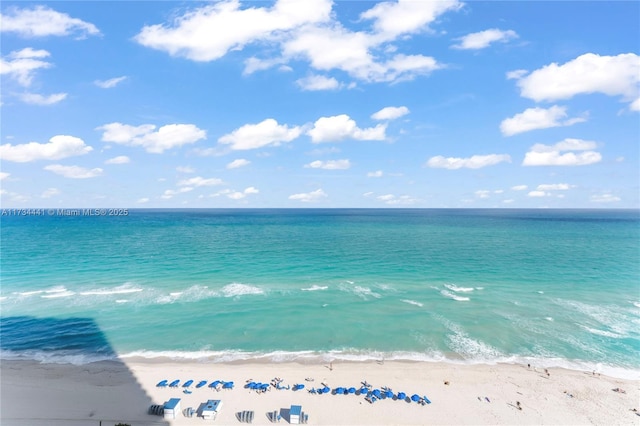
(123, 390)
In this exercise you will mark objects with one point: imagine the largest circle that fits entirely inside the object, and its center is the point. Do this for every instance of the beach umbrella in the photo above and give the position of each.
(402, 395)
(388, 394)
(326, 389)
(376, 393)
(352, 390)
(364, 390)
(415, 397)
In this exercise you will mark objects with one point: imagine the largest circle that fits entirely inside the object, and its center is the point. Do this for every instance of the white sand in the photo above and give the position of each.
(112, 392)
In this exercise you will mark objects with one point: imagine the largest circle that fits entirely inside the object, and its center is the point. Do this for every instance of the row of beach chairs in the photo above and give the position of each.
(216, 384)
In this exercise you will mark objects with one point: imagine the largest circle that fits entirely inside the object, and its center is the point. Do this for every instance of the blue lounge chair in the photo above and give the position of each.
(162, 384)
(187, 383)
(426, 399)
(201, 384)
(174, 384)
(298, 386)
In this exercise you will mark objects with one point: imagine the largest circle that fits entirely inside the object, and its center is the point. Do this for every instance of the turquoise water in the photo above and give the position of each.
(556, 287)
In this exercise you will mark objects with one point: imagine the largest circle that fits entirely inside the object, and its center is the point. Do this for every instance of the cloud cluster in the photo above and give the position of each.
(340, 127)
(329, 165)
(266, 133)
(569, 152)
(74, 172)
(483, 39)
(20, 65)
(152, 140)
(58, 147)
(390, 113)
(589, 73)
(41, 21)
(110, 83)
(538, 118)
(309, 197)
(473, 162)
(303, 31)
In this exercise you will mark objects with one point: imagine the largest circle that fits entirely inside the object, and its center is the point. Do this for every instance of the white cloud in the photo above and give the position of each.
(538, 194)
(604, 198)
(318, 82)
(58, 147)
(482, 193)
(266, 133)
(483, 39)
(185, 169)
(339, 127)
(329, 165)
(200, 181)
(209, 32)
(240, 162)
(142, 200)
(390, 113)
(635, 105)
(392, 19)
(519, 188)
(237, 195)
(74, 172)
(309, 196)
(392, 199)
(554, 187)
(21, 65)
(4, 175)
(121, 159)
(110, 83)
(145, 136)
(474, 162)
(589, 73)
(537, 118)
(50, 193)
(170, 193)
(516, 74)
(376, 174)
(552, 155)
(303, 31)
(37, 99)
(41, 21)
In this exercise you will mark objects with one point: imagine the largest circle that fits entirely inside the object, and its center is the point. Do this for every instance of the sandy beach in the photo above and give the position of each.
(107, 393)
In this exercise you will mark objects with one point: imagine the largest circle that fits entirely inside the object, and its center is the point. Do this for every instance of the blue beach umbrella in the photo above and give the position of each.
(376, 393)
(388, 394)
(402, 395)
(352, 390)
(415, 397)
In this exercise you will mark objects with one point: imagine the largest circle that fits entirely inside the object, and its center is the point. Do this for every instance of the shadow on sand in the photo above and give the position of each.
(63, 371)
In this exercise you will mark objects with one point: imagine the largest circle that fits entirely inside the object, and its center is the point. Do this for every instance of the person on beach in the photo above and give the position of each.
(518, 406)
(547, 372)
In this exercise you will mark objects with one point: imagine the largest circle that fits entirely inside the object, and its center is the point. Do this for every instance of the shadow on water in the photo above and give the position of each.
(63, 371)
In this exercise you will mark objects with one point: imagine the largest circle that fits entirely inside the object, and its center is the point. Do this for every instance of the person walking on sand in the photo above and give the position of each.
(547, 372)
(518, 405)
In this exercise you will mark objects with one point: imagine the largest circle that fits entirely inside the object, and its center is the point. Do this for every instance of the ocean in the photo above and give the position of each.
(547, 287)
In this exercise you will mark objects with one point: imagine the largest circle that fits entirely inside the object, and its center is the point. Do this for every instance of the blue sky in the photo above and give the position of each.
(320, 104)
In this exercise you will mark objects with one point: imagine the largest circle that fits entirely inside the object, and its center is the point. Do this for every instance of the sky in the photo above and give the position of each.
(319, 103)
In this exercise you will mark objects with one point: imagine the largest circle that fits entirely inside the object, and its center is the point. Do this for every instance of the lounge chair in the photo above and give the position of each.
(174, 384)
(162, 384)
(187, 383)
(201, 384)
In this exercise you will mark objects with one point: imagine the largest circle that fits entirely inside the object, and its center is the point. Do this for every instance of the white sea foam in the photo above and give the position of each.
(365, 292)
(453, 296)
(3, 298)
(636, 304)
(315, 288)
(122, 301)
(412, 302)
(238, 289)
(457, 289)
(30, 293)
(57, 292)
(601, 332)
(619, 321)
(122, 289)
(548, 318)
(540, 292)
(479, 288)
